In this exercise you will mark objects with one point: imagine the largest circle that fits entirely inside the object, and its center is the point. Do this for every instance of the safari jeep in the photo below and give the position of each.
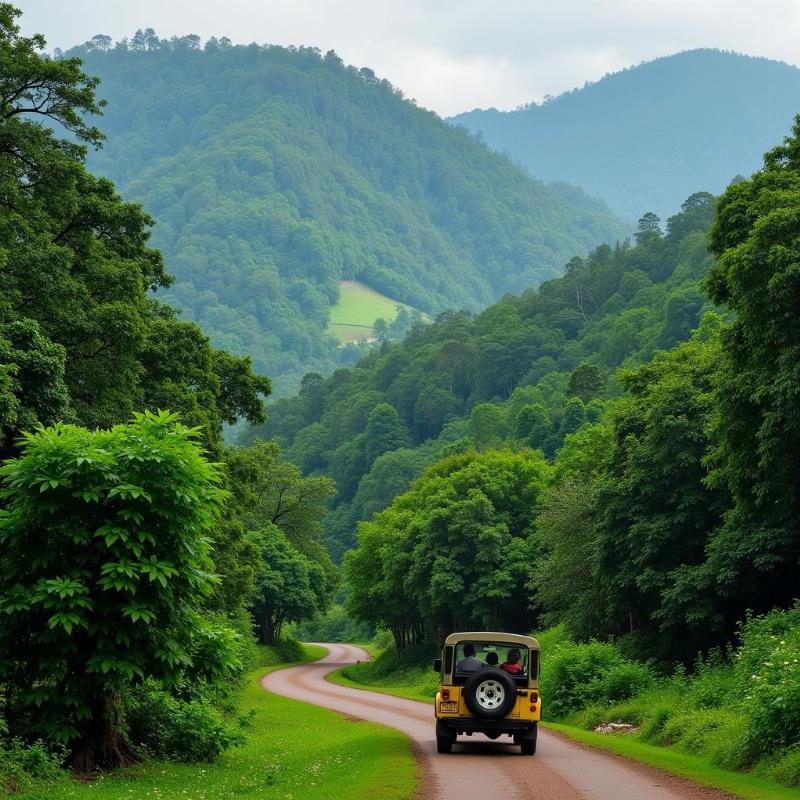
(489, 684)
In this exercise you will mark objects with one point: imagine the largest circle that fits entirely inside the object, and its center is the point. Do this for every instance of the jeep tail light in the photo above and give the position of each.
(445, 694)
(534, 698)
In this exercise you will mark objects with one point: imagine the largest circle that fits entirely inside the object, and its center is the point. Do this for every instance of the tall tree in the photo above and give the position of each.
(754, 559)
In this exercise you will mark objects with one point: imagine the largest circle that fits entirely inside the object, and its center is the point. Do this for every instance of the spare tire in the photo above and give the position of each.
(490, 693)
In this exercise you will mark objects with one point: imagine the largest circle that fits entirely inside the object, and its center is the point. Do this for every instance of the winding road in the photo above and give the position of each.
(480, 769)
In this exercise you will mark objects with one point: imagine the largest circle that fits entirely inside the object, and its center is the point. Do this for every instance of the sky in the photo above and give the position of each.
(452, 55)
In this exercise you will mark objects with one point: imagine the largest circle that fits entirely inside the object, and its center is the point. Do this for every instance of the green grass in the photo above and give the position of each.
(292, 751)
(352, 318)
(739, 784)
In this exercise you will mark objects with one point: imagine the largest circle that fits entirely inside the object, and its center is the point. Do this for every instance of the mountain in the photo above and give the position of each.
(526, 371)
(275, 173)
(646, 137)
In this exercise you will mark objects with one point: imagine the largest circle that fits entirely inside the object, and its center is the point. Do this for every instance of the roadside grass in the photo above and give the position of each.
(415, 681)
(740, 784)
(352, 318)
(293, 751)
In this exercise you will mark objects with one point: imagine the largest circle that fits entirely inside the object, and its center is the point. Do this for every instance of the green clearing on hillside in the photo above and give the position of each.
(292, 750)
(359, 306)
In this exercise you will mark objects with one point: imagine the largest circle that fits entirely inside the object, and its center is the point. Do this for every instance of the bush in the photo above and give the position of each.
(785, 769)
(578, 675)
(178, 730)
(768, 673)
(21, 764)
(624, 681)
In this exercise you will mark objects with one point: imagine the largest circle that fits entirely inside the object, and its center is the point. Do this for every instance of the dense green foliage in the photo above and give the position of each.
(530, 369)
(673, 511)
(276, 172)
(281, 756)
(105, 555)
(647, 136)
(453, 552)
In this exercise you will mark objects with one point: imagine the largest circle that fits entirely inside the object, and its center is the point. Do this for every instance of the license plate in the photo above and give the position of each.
(448, 708)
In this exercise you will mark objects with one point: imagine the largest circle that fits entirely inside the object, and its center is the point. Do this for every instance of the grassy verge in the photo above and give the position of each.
(739, 784)
(292, 750)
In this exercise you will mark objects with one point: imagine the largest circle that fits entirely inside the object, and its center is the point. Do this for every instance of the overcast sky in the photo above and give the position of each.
(452, 55)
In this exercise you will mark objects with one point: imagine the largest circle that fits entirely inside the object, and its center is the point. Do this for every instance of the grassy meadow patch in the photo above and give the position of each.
(352, 318)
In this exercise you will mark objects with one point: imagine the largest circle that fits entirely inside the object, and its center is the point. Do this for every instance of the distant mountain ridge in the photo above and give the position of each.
(648, 136)
(275, 173)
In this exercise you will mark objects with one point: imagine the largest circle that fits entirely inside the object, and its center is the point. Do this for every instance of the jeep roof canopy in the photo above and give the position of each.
(492, 636)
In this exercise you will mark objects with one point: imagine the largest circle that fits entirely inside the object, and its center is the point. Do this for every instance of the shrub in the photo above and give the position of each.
(179, 730)
(578, 675)
(785, 769)
(288, 650)
(768, 673)
(623, 681)
(21, 764)
(729, 749)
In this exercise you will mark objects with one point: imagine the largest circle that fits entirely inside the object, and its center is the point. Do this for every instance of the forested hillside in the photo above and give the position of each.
(529, 370)
(275, 172)
(667, 516)
(645, 138)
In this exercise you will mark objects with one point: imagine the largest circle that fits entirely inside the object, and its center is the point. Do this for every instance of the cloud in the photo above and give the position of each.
(453, 55)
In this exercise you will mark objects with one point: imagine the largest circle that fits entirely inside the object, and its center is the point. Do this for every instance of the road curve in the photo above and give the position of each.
(480, 768)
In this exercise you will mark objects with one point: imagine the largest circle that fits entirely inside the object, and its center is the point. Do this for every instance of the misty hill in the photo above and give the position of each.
(275, 173)
(647, 137)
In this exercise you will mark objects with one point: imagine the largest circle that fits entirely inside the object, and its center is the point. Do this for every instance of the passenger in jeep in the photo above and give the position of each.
(511, 664)
(469, 663)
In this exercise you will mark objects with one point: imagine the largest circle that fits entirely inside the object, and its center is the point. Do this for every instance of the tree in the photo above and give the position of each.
(105, 558)
(453, 551)
(380, 329)
(655, 512)
(32, 389)
(533, 426)
(289, 587)
(752, 560)
(269, 491)
(385, 432)
(77, 260)
(648, 229)
(487, 425)
(573, 417)
(586, 381)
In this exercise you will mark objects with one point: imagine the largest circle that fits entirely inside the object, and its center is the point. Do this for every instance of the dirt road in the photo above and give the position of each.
(480, 769)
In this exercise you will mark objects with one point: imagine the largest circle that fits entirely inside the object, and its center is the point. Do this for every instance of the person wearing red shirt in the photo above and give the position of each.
(511, 664)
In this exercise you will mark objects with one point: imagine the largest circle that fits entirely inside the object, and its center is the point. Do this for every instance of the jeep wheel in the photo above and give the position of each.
(490, 693)
(528, 747)
(444, 744)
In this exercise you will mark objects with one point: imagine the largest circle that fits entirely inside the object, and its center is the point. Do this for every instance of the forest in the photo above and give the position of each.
(608, 456)
(526, 371)
(647, 136)
(661, 522)
(274, 173)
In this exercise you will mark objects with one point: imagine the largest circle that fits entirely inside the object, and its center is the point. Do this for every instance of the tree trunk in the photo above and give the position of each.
(103, 746)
